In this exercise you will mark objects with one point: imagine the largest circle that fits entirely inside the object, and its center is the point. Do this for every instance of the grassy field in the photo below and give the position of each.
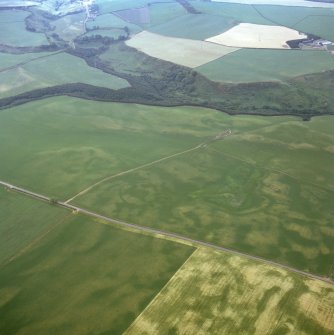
(113, 21)
(84, 141)
(106, 6)
(267, 190)
(13, 31)
(8, 60)
(239, 12)
(163, 12)
(190, 53)
(215, 293)
(251, 65)
(70, 26)
(197, 27)
(23, 221)
(322, 26)
(85, 277)
(317, 21)
(54, 70)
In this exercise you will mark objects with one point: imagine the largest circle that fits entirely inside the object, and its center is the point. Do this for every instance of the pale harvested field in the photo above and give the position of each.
(180, 51)
(215, 293)
(248, 35)
(299, 3)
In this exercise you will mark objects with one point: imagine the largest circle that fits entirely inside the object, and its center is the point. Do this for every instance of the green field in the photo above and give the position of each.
(57, 69)
(24, 221)
(106, 6)
(267, 190)
(199, 26)
(322, 26)
(70, 26)
(215, 293)
(85, 277)
(239, 12)
(259, 189)
(74, 143)
(251, 65)
(8, 60)
(112, 21)
(164, 12)
(307, 19)
(13, 30)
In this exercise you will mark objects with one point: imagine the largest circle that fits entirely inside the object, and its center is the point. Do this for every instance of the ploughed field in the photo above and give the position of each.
(261, 187)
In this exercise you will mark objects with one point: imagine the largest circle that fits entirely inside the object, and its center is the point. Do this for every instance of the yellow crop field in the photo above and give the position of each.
(216, 293)
(248, 35)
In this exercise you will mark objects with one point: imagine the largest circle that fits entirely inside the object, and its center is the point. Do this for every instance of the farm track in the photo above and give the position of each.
(154, 232)
(132, 170)
(26, 248)
(29, 61)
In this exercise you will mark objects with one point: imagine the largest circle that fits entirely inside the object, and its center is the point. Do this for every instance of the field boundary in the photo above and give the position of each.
(159, 293)
(29, 61)
(177, 237)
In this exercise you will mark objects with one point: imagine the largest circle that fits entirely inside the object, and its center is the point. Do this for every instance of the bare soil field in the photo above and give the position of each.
(184, 52)
(248, 35)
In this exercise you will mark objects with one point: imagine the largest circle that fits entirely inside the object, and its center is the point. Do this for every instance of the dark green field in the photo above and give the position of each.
(23, 221)
(84, 277)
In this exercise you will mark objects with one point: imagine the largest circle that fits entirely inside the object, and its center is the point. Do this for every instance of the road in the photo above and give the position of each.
(178, 237)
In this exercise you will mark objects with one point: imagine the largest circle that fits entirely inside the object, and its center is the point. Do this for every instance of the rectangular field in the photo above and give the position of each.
(266, 190)
(237, 11)
(196, 27)
(215, 293)
(85, 278)
(190, 53)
